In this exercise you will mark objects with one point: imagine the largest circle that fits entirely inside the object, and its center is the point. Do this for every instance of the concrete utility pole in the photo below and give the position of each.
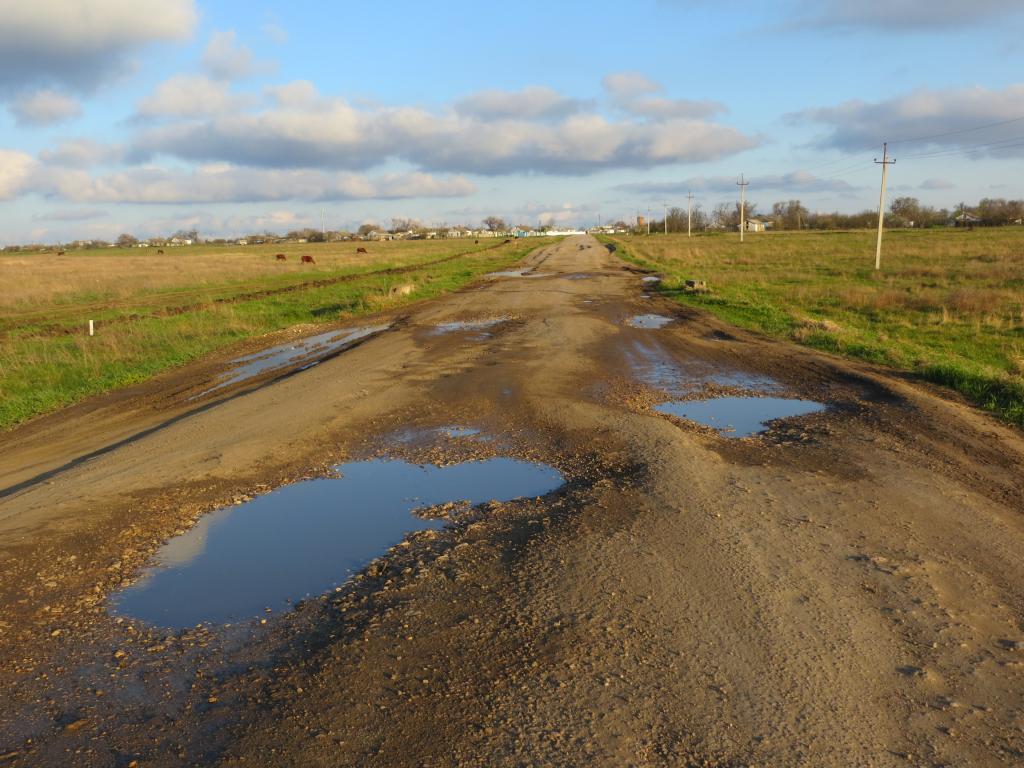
(742, 184)
(885, 162)
(323, 224)
(648, 220)
(666, 218)
(689, 212)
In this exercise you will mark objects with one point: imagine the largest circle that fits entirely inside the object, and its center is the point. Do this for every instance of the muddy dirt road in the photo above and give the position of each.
(843, 587)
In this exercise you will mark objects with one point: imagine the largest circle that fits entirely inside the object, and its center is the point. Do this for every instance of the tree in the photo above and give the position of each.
(365, 229)
(126, 241)
(789, 215)
(495, 223)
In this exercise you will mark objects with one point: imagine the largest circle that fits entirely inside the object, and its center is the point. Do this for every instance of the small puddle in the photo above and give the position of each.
(649, 321)
(468, 325)
(527, 272)
(652, 364)
(579, 276)
(304, 539)
(459, 431)
(650, 279)
(739, 416)
(304, 353)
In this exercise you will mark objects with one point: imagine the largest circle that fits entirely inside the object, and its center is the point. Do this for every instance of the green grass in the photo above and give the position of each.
(47, 361)
(947, 305)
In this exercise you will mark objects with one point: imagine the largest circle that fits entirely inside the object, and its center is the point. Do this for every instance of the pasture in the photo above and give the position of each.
(153, 312)
(947, 304)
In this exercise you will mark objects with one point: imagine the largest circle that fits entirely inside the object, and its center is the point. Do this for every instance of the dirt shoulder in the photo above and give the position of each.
(845, 589)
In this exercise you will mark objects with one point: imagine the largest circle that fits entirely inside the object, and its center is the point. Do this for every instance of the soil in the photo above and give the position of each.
(845, 589)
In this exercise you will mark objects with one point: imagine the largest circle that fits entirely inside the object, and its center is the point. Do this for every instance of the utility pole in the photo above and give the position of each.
(666, 218)
(743, 184)
(323, 224)
(648, 220)
(689, 212)
(885, 162)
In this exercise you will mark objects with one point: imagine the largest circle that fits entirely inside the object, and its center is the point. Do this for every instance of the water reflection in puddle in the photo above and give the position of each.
(304, 539)
(303, 353)
(739, 416)
(579, 276)
(649, 321)
(468, 325)
(527, 272)
(652, 364)
(650, 279)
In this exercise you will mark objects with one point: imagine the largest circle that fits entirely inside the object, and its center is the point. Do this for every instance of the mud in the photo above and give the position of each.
(844, 589)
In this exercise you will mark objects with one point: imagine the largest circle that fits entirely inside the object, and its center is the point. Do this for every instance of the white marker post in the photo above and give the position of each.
(92, 329)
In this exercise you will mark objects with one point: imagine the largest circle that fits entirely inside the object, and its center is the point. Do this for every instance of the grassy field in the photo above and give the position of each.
(155, 312)
(947, 305)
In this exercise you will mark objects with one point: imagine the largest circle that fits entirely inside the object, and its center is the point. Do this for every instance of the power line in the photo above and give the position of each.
(957, 133)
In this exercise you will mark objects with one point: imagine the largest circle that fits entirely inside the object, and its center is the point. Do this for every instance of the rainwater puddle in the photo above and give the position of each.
(467, 325)
(528, 272)
(304, 539)
(304, 353)
(650, 279)
(460, 431)
(652, 364)
(649, 321)
(739, 416)
(579, 276)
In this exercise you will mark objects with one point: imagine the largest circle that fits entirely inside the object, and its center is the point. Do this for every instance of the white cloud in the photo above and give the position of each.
(224, 183)
(82, 153)
(633, 92)
(797, 182)
(225, 59)
(78, 43)
(191, 96)
(937, 184)
(44, 108)
(303, 129)
(898, 16)
(15, 170)
(71, 214)
(937, 118)
(532, 102)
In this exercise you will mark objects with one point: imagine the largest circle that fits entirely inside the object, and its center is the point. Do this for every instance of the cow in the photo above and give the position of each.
(507, 241)
(476, 242)
(60, 253)
(307, 259)
(361, 250)
(281, 257)
(159, 251)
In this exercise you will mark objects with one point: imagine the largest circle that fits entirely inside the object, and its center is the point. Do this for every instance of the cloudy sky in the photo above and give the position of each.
(145, 116)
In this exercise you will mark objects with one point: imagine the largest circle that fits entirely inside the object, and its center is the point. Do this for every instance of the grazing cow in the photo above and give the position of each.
(307, 259)
(60, 253)
(476, 242)
(507, 241)
(281, 257)
(361, 250)
(159, 251)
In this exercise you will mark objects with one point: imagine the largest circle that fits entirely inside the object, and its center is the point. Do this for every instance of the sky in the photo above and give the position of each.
(149, 116)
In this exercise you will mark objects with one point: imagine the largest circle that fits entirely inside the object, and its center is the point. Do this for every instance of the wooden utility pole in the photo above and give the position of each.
(742, 184)
(885, 162)
(689, 212)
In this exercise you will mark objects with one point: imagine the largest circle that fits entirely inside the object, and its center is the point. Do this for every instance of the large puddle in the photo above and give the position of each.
(526, 272)
(303, 353)
(304, 539)
(739, 416)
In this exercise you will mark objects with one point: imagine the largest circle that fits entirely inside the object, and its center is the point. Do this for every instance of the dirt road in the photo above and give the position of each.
(844, 589)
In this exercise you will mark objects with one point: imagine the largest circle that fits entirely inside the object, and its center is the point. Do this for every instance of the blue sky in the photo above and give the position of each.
(151, 115)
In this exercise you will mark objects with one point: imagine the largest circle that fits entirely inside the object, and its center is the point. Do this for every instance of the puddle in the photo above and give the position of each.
(579, 276)
(649, 321)
(650, 279)
(304, 539)
(468, 325)
(739, 416)
(304, 353)
(652, 364)
(527, 272)
(459, 431)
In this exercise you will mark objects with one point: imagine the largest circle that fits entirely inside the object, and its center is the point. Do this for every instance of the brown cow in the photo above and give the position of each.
(281, 257)
(361, 250)
(507, 241)
(476, 242)
(159, 251)
(307, 259)
(60, 253)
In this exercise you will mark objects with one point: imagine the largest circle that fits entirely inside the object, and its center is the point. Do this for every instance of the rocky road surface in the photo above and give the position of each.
(845, 589)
